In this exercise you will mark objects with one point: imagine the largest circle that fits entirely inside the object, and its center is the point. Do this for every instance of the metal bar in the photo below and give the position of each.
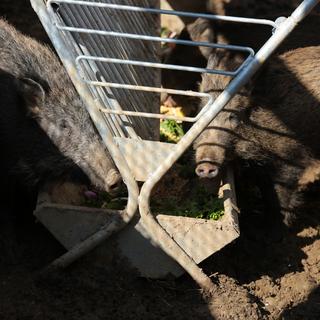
(87, 245)
(152, 89)
(157, 233)
(156, 65)
(138, 99)
(116, 122)
(159, 115)
(158, 39)
(143, 88)
(149, 115)
(169, 12)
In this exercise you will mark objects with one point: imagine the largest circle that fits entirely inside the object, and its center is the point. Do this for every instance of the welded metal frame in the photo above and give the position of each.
(88, 58)
(141, 199)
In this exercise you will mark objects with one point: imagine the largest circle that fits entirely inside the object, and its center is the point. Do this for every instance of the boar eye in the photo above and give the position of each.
(63, 125)
(233, 119)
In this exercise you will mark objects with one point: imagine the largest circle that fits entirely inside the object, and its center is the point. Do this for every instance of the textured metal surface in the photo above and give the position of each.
(142, 167)
(89, 17)
(146, 7)
(71, 225)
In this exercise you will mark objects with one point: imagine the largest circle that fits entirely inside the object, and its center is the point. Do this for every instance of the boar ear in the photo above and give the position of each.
(33, 94)
(202, 30)
(220, 60)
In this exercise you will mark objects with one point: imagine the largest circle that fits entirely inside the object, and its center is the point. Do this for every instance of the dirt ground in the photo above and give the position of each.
(258, 279)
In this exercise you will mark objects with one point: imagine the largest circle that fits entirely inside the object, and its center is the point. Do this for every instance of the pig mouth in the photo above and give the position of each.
(207, 168)
(114, 182)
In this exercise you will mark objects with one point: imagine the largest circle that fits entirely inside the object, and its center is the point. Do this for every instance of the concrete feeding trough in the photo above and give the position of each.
(199, 238)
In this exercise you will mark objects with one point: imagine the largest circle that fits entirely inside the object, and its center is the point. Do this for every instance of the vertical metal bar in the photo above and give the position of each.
(186, 14)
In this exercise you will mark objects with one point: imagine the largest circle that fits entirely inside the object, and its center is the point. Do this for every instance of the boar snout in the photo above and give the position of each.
(206, 169)
(114, 182)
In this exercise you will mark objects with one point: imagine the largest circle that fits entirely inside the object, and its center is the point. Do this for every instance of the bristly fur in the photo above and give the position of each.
(45, 130)
(276, 126)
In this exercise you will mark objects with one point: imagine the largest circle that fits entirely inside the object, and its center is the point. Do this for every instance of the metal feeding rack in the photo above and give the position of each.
(110, 50)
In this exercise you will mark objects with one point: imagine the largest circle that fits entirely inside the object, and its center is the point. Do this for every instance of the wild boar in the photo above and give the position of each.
(275, 124)
(45, 130)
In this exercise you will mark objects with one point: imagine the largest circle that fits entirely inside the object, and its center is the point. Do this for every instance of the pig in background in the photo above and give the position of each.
(272, 123)
(229, 33)
(45, 132)
(201, 30)
(247, 8)
(303, 36)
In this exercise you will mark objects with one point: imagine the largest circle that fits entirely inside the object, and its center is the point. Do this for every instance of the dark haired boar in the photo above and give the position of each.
(45, 131)
(275, 126)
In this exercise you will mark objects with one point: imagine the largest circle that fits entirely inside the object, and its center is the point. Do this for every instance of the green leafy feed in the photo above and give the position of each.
(201, 205)
(171, 131)
(103, 200)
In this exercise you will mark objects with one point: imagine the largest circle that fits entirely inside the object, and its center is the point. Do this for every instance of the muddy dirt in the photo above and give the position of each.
(257, 279)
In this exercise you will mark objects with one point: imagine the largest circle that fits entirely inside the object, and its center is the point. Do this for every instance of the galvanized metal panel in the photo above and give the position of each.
(137, 152)
(101, 46)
